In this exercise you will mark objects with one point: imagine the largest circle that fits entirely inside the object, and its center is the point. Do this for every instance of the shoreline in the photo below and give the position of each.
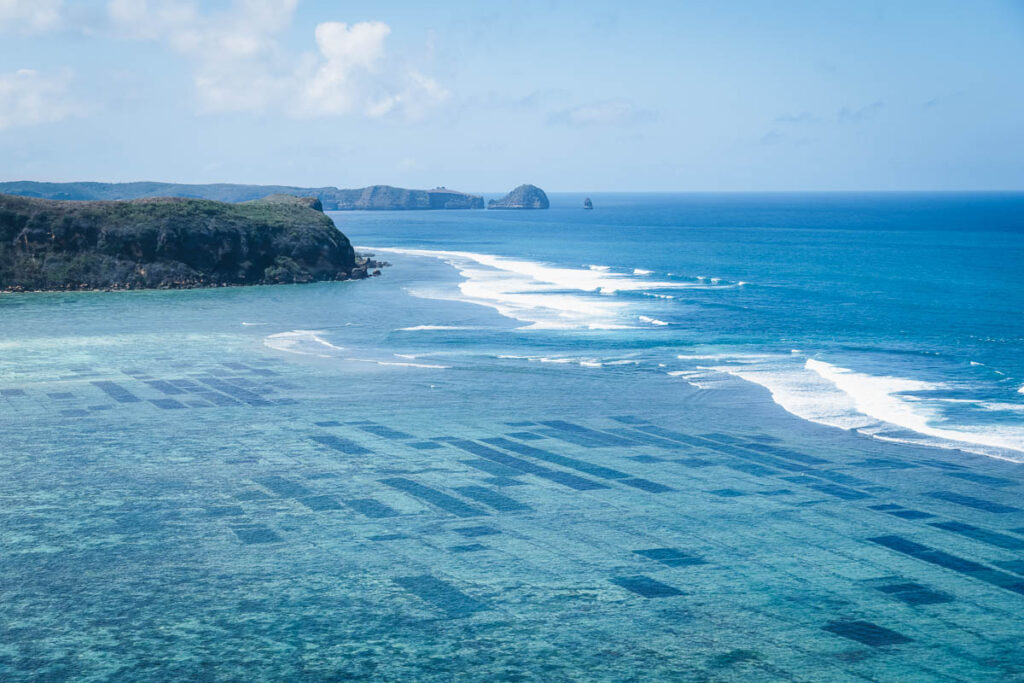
(364, 268)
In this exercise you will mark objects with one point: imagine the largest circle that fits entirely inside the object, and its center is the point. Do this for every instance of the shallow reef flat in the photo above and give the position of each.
(225, 512)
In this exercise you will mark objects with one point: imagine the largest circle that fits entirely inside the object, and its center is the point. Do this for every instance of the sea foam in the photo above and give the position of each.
(884, 407)
(544, 295)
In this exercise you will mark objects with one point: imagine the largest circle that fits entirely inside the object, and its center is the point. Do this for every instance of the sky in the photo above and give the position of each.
(483, 96)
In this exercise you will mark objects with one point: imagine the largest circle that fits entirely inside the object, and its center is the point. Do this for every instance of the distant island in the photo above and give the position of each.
(373, 198)
(170, 243)
(523, 197)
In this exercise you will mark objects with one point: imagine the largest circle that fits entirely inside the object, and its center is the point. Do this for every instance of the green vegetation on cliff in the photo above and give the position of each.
(169, 243)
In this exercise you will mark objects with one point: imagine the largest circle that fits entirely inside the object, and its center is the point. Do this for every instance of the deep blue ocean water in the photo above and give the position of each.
(678, 437)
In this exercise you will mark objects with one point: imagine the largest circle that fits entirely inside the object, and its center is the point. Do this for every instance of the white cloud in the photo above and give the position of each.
(28, 97)
(606, 113)
(239, 63)
(420, 94)
(348, 55)
(30, 16)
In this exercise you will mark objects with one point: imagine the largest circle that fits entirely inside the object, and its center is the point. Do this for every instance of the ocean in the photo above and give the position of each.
(678, 437)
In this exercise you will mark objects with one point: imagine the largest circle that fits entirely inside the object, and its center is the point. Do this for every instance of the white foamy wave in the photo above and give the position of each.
(880, 406)
(641, 271)
(600, 269)
(252, 324)
(391, 363)
(652, 321)
(728, 357)
(302, 342)
(700, 380)
(546, 296)
(583, 362)
(310, 343)
(423, 328)
(1021, 390)
(1002, 407)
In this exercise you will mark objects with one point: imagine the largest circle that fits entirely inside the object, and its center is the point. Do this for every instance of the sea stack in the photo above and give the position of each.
(523, 197)
(587, 204)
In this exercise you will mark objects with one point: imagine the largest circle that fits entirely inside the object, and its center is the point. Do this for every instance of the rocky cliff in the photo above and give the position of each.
(523, 197)
(385, 197)
(169, 243)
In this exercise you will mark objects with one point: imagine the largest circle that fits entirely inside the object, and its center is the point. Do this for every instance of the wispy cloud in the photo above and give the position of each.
(848, 115)
(30, 16)
(607, 113)
(240, 63)
(802, 117)
(28, 98)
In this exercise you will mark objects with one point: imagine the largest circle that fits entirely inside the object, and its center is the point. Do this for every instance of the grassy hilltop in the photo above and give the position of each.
(169, 243)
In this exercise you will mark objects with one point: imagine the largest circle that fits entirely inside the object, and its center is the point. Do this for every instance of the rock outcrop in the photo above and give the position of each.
(523, 197)
(169, 243)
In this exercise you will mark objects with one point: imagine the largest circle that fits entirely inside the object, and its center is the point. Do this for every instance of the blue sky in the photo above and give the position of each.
(482, 96)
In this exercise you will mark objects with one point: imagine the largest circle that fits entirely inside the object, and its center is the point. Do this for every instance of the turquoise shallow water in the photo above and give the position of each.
(504, 470)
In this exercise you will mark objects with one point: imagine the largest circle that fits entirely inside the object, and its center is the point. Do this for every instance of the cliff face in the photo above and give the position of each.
(523, 197)
(168, 243)
(375, 197)
(385, 197)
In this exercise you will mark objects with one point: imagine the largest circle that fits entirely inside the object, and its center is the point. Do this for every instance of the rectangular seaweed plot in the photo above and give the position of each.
(946, 560)
(670, 557)
(384, 432)
(646, 485)
(236, 392)
(915, 594)
(600, 438)
(440, 594)
(320, 503)
(433, 496)
(984, 535)
(982, 479)
(166, 403)
(117, 392)
(646, 587)
(368, 507)
(165, 387)
(492, 499)
(564, 478)
(976, 503)
(840, 491)
(867, 633)
(256, 533)
(283, 487)
(341, 445)
(555, 459)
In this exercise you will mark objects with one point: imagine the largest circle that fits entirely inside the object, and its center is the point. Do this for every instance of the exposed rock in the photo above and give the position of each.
(168, 243)
(523, 197)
